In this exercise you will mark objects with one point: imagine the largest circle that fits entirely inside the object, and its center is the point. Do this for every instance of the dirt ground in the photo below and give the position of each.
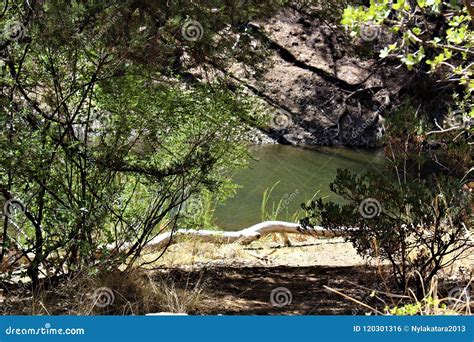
(246, 280)
(264, 278)
(248, 290)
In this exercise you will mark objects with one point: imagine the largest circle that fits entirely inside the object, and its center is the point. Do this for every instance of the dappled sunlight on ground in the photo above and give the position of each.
(271, 251)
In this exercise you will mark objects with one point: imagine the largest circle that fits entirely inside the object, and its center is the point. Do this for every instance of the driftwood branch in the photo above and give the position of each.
(244, 236)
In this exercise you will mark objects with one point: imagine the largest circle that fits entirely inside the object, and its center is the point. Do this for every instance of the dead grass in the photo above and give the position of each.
(134, 292)
(271, 250)
(203, 278)
(457, 302)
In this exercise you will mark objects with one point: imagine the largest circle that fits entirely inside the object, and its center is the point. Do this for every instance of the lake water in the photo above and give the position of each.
(300, 172)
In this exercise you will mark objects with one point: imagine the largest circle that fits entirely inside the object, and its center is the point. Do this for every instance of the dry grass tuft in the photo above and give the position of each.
(134, 292)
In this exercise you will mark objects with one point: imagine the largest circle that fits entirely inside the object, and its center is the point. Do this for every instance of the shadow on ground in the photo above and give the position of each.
(248, 290)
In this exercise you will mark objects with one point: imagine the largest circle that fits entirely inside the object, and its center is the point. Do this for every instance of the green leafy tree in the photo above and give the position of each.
(430, 36)
(421, 200)
(417, 228)
(105, 132)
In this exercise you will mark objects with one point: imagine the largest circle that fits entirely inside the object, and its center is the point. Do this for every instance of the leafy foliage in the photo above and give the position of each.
(418, 229)
(431, 36)
(412, 214)
(106, 135)
(422, 219)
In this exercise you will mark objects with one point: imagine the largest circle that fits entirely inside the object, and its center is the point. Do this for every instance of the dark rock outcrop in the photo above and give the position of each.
(323, 92)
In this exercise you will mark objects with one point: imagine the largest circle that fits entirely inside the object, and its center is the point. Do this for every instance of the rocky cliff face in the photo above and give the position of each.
(322, 91)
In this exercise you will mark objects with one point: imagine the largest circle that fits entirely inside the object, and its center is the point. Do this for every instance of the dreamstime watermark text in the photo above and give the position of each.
(286, 200)
(46, 330)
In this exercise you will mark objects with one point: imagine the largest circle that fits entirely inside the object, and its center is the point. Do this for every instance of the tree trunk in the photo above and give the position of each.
(244, 236)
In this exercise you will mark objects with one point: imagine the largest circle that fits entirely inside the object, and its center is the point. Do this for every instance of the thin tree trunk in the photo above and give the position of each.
(244, 236)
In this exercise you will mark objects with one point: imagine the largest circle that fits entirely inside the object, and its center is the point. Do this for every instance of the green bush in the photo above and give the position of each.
(413, 213)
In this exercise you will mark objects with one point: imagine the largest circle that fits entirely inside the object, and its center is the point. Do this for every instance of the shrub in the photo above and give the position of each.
(412, 214)
(416, 226)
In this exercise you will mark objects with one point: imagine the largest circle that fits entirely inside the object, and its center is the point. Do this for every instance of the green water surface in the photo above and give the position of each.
(300, 172)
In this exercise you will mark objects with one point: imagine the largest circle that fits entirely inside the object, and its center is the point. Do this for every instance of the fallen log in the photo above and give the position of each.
(244, 236)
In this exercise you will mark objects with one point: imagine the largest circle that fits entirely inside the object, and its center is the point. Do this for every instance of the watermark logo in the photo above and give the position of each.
(13, 205)
(280, 120)
(370, 207)
(369, 31)
(192, 30)
(14, 31)
(103, 296)
(459, 295)
(193, 207)
(281, 296)
(457, 119)
(46, 330)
